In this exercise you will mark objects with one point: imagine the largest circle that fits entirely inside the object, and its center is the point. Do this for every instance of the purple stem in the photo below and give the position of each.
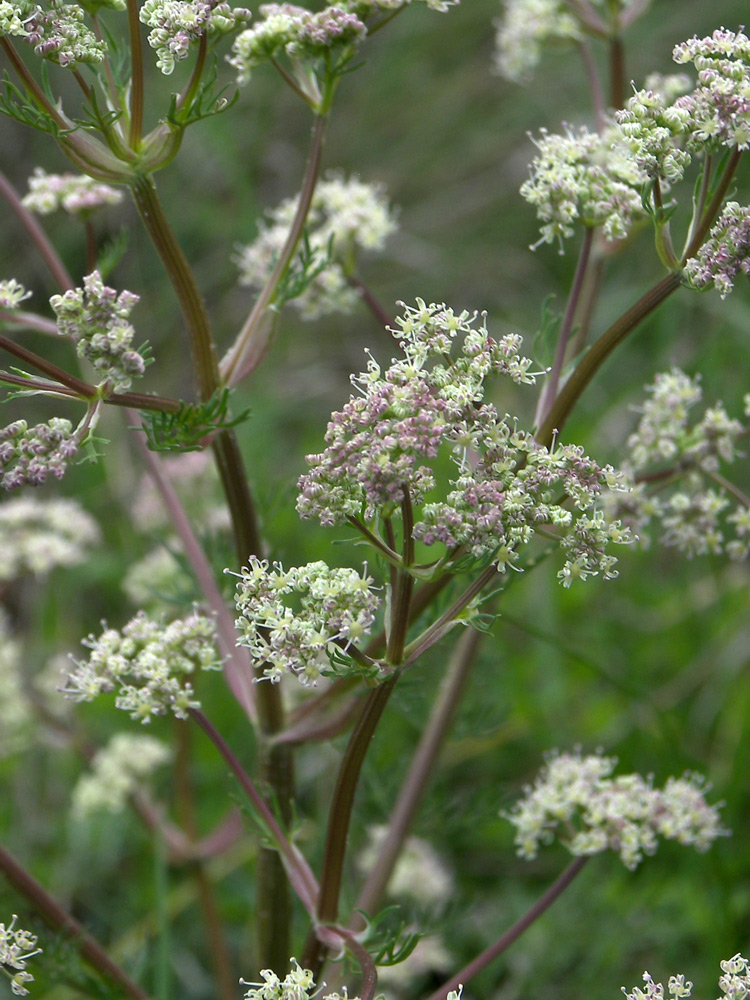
(298, 871)
(513, 933)
(237, 667)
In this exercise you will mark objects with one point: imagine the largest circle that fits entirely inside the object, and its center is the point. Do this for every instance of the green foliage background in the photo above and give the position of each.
(652, 667)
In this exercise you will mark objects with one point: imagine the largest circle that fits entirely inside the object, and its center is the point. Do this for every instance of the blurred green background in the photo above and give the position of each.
(652, 667)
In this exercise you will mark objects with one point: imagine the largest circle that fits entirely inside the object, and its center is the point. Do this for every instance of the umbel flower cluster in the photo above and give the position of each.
(673, 462)
(296, 32)
(28, 455)
(12, 294)
(575, 799)
(116, 772)
(664, 131)
(17, 946)
(57, 33)
(298, 984)
(147, 663)
(735, 983)
(526, 25)
(725, 254)
(175, 24)
(76, 194)
(345, 216)
(294, 620)
(583, 177)
(37, 535)
(95, 318)
(431, 400)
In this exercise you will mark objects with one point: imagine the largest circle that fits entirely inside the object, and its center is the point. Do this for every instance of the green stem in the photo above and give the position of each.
(59, 920)
(600, 351)
(298, 870)
(195, 78)
(513, 933)
(339, 817)
(709, 217)
(136, 76)
(420, 770)
(274, 903)
(550, 388)
(245, 353)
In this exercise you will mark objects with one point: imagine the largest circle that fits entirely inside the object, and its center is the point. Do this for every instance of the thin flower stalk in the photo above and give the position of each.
(299, 873)
(420, 770)
(246, 352)
(136, 76)
(339, 818)
(237, 668)
(513, 933)
(599, 352)
(62, 922)
(549, 392)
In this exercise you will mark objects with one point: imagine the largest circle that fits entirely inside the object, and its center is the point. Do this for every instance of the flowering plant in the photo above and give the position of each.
(345, 658)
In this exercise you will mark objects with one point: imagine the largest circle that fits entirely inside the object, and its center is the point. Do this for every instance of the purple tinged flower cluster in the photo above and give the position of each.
(28, 455)
(291, 620)
(147, 664)
(95, 318)
(726, 252)
(583, 178)
(718, 109)
(59, 33)
(381, 446)
(682, 455)
(74, 193)
(575, 800)
(299, 33)
(176, 24)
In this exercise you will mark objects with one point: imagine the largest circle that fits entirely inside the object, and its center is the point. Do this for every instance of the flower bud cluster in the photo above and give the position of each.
(695, 512)
(507, 485)
(37, 535)
(147, 663)
(345, 216)
(575, 799)
(329, 608)
(735, 983)
(299, 33)
(725, 254)
(17, 946)
(651, 124)
(28, 455)
(117, 770)
(57, 33)
(12, 294)
(95, 318)
(175, 24)
(583, 178)
(718, 109)
(74, 193)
